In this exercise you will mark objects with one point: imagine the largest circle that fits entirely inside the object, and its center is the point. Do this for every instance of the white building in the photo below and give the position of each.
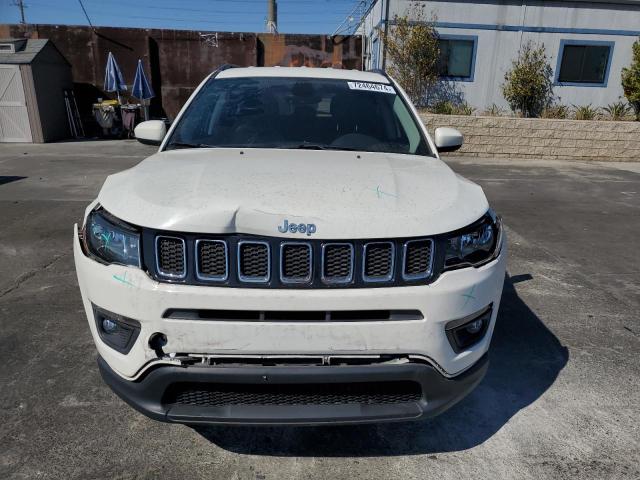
(588, 43)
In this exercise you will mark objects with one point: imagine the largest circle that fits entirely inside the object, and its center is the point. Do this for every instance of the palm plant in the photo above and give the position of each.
(464, 109)
(585, 112)
(618, 110)
(494, 111)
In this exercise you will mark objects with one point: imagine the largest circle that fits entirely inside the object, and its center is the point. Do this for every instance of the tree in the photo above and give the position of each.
(631, 80)
(412, 47)
(528, 85)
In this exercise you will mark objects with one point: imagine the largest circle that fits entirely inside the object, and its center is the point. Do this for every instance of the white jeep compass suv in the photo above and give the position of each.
(296, 252)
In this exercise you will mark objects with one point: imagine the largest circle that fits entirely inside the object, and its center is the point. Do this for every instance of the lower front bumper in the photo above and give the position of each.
(149, 395)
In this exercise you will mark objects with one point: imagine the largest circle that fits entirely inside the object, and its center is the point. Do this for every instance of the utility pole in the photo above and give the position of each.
(20, 5)
(272, 16)
(386, 35)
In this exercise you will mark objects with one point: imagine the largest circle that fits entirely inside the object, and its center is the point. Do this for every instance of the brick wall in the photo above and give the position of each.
(504, 137)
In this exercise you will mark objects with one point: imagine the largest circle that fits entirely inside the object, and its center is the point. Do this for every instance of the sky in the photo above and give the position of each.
(294, 16)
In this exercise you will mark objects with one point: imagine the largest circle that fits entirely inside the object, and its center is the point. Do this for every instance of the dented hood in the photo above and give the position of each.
(253, 191)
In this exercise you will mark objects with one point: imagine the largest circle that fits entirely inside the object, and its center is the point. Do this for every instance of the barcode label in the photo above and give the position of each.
(371, 87)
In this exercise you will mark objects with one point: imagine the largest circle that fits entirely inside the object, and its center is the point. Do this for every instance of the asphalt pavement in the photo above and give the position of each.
(561, 398)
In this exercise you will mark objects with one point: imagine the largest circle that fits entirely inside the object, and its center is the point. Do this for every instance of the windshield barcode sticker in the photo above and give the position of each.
(371, 87)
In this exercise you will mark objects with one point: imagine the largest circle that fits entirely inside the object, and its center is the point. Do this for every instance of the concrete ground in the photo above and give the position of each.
(561, 399)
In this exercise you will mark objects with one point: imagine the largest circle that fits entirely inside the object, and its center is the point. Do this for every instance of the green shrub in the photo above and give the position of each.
(618, 110)
(631, 80)
(585, 112)
(444, 107)
(528, 85)
(413, 51)
(556, 111)
(447, 107)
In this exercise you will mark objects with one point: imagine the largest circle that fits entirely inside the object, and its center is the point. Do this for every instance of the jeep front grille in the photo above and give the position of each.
(378, 262)
(211, 260)
(254, 264)
(269, 262)
(295, 262)
(171, 257)
(417, 259)
(337, 263)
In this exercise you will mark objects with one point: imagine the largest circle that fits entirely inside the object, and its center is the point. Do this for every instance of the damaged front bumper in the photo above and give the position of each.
(306, 395)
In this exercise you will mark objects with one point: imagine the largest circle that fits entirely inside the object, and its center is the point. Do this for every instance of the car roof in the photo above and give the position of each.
(303, 72)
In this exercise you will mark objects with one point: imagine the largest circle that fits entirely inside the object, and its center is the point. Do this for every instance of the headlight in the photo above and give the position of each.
(475, 245)
(111, 240)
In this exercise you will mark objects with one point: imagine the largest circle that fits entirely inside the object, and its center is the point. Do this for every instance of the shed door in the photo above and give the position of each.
(14, 119)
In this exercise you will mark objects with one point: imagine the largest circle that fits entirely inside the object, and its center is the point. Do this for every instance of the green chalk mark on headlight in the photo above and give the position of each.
(111, 240)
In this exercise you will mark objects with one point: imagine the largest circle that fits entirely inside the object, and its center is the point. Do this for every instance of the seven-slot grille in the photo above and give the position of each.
(276, 263)
(171, 257)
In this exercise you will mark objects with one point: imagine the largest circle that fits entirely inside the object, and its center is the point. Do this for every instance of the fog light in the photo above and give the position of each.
(108, 325)
(475, 326)
(466, 332)
(119, 332)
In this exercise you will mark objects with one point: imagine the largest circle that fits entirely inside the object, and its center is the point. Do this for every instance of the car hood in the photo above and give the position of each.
(253, 191)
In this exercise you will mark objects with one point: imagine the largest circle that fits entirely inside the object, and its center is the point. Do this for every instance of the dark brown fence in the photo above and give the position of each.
(178, 60)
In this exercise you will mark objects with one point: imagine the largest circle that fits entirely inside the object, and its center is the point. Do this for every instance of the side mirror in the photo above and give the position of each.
(150, 132)
(448, 139)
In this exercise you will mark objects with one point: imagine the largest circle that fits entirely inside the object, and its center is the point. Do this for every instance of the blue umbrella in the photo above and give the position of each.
(141, 88)
(113, 81)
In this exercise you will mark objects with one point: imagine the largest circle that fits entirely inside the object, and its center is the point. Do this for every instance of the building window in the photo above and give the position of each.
(457, 57)
(585, 63)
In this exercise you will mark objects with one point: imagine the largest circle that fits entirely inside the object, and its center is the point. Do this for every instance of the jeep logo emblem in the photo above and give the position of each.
(308, 228)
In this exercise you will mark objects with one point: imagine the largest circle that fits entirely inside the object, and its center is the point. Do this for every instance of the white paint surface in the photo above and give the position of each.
(347, 195)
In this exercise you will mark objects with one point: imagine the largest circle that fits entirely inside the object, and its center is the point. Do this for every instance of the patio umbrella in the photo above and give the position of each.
(113, 81)
(141, 89)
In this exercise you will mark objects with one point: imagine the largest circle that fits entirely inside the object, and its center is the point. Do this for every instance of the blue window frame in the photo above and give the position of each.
(457, 57)
(584, 63)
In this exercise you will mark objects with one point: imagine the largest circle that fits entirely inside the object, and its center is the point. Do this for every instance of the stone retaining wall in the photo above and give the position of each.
(538, 138)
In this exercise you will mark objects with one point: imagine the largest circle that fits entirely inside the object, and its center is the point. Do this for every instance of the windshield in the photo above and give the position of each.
(268, 112)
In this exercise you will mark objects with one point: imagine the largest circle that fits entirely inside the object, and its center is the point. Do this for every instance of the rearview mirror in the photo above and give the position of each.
(448, 139)
(150, 132)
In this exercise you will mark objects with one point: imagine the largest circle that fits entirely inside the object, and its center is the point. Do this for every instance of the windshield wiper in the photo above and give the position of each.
(188, 145)
(315, 146)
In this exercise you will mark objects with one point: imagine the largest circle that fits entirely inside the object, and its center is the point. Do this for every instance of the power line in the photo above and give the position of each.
(199, 10)
(353, 20)
(86, 14)
(231, 19)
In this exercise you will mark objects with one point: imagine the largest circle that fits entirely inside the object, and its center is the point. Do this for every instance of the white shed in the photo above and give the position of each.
(33, 78)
